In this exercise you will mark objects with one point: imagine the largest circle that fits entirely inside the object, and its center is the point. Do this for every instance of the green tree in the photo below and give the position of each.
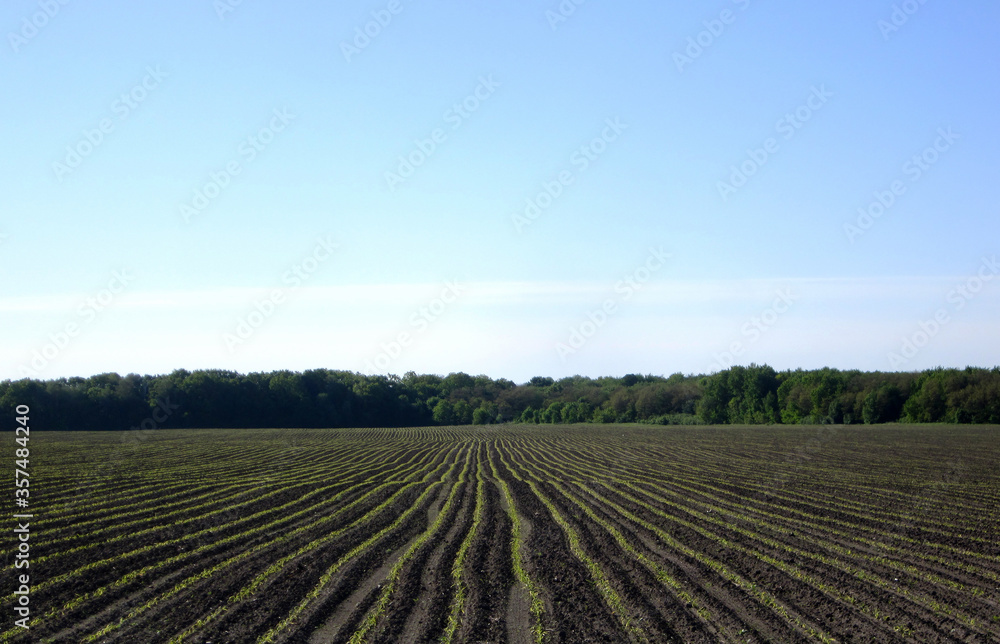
(486, 413)
(529, 415)
(444, 413)
(463, 413)
(713, 408)
(882, 405)
(553, 413)
(577, 412)
(604, 415)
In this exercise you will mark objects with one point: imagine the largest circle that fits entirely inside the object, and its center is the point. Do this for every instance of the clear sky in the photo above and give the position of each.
(514, 189)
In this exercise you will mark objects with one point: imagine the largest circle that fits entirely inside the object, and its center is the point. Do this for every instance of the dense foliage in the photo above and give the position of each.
(324, 398)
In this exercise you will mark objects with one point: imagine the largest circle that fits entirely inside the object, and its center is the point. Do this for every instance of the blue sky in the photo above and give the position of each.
(596, 188)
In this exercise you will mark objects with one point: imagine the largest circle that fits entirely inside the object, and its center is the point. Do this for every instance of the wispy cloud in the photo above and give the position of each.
(515, 293)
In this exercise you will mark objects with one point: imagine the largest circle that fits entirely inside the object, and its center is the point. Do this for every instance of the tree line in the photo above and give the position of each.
(754, 394)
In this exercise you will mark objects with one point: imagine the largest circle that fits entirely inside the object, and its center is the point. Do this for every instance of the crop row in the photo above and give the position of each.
(614, 533)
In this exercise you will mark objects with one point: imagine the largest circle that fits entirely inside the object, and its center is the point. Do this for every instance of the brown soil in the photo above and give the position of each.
(846, 542)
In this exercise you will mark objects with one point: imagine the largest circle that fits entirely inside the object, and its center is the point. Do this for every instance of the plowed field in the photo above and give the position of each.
(594, 533)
